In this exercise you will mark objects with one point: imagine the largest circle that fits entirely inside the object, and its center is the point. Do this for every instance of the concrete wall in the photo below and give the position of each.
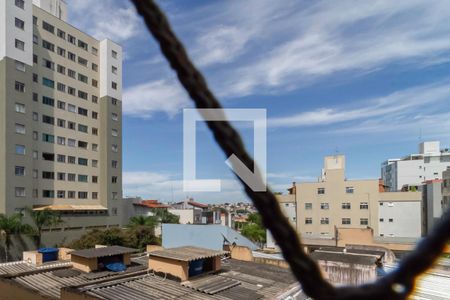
(339, 273)
(11, 290)
(400, 218)
(179, 269)
(84, 264)
(186, 215)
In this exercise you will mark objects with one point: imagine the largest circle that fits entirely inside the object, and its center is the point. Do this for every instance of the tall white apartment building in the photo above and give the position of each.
(60, 118)
(414, 169)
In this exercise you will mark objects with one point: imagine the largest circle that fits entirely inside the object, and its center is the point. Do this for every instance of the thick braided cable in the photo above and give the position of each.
(396, 285)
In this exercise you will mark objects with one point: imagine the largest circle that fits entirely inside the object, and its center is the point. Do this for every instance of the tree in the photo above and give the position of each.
(166, 217)
(10, 226)
(41, 219)
(255, 218)
(150, 221)
(108, 237)
(254, 232)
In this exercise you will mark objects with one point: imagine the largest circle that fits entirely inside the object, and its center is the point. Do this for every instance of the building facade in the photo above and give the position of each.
(446, 190)
(60, 116)
(431, 204)
(412, 170)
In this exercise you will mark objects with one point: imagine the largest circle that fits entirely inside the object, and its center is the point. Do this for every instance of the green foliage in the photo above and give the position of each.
(166, 217)
(10, 225)
(43, 219)
(151, 221)
(255, 218)
(138, 237)
(254, 229)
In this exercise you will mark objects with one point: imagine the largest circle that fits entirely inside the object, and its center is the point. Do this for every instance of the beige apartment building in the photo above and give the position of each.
(335, 203)
(60, 118)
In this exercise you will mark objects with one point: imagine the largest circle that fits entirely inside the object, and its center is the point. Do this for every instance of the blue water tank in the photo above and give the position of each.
(196, 267)
(116, 267)
(49, 254)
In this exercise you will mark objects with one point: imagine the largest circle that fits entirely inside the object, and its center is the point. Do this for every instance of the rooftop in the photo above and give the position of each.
(151, 204)
(104, 251)
(350, 258)
(188, 253)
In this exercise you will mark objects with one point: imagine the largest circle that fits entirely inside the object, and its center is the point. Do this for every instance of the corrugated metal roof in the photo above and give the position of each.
(211, 284)
(102, 252)
(188, 253)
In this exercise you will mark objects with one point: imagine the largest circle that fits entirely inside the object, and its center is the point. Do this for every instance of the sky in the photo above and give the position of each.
(368, 79)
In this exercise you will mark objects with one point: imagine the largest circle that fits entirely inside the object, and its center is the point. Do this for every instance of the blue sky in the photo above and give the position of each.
(363, 78)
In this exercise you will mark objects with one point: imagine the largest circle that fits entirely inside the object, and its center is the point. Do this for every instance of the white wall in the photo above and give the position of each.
(105, 68)
(58, 8)
(186, 215)
(406, 219)
(9, 33)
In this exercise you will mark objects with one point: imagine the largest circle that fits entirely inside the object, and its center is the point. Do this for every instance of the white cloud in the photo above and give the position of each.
(396, 104)
(105, 19)
(145, 99)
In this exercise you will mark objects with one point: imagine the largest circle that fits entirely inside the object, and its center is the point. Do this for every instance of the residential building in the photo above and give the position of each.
(431, 204)
(335, 203)
(446, 189)
(413, 169)
(190, 211)
(60, 118)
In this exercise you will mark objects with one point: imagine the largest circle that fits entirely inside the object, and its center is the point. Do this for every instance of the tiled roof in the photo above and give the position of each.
(152, 204)
(186, 253)
(102, 252)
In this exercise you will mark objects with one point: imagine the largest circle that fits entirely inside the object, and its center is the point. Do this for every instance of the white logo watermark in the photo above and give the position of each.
(256, 180)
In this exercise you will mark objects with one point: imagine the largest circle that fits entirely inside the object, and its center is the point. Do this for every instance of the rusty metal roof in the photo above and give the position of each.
(188, 253)
(102, 252)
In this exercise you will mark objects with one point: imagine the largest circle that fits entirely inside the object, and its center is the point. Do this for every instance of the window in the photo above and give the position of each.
(94, 163)
(324, 206)
(20, 191)
(19, 86)
(71, 142)
(61, 52)
(114, 85)
(35, 116)
(94, 195)
(114, 117)
(71, 125)
(48, 82)
(61, 140)
(94, 83)
(94, 51)
(47, 45)
(20, 129)
(48, 64)
(20, 4)
(61, 34)
(349, 190)
(321, 191)
(114, 70)
(61, 194)
(114, 179)
(364, 205)
(114, 195)
(35, 77)
(35, 193)
(20, 108)
(94, 99)
(114, 148)
(114, 54)
(20, 66)
(82, 161)
(71, 177)
(35, 39)
(61, 158)
(20, 45)
(346, 205)
(19, 171)
(82, 95)
(346, 221)
(82, 178)
(82, 111)
(19, 23)
(72, 108)
(61, 69)
(48, 101)
(391, 220)
(71, 194)
(82, 78)
(48, 120)
(35, 155)
(82, 61)
(324, 221)
(71, 91)
(364, 221)
(35, 173)
(82, 144)
(82, 195)
(94, 115)
(48, 175)
(48, 194)
(35, 97)
(83, 45)
(35, 59)
(82, 128)
(71, 39)
(94, 131)
(35, 20)
(35, 135)
(71, 56)
(48, 156)
(50, 28)
(71, 159)
(49, 138)
(114, 211)
(61, 87)
(20, 149)
(94, 67)
(71, 73)
(114, 166)
(114, 132)
(61, 105)
(308, 220)
(94, 147)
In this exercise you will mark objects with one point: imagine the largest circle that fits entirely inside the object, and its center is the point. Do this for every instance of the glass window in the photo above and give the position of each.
(321, 191)
(20, 3)
(20, 108)
(19, 86)
(49, 138)
(61, 158)
(364, 205)
(346, 221)
(324, 221)
(20, 192)
(19, 23)
(48, 101)
(308, 220)
(324, 206)
(20, 129)
(346, 205)
(49, 27)
(48, 82)
(20, 66)
(19, 171)
(61, 34)
(47, 45)
(20, 149)
(349, 190)
(20, 45)
(364, 221)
